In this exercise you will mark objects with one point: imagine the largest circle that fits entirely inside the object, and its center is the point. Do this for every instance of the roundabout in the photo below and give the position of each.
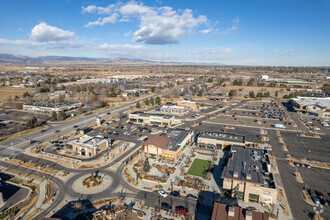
(110, 182)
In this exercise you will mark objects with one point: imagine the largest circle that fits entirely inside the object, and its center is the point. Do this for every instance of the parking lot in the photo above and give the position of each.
(256, 114)
(314, 178)
(310, 148)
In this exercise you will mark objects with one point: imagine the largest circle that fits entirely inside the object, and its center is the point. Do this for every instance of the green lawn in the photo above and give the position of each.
(199, 167)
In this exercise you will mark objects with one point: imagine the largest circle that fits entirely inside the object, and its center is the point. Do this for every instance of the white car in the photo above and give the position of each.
(162, 193)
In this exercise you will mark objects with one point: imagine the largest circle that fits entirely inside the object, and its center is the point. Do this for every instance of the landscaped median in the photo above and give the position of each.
(33, 166)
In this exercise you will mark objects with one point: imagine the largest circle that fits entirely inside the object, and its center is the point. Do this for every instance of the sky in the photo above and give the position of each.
(231, 32)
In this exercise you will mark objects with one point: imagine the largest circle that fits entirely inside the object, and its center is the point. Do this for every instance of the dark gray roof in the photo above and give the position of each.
(251, 157)
(152, 114)
(256, 177)
(52, 105)
(223, 136)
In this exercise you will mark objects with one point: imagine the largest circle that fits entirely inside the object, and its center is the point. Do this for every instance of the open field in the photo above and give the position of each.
(199, 167)
(5, 91)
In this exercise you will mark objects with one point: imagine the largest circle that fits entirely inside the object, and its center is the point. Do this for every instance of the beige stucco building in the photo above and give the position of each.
(89, 146)
(248, 177)
(168, 147)
(219, 140)
(154, 119)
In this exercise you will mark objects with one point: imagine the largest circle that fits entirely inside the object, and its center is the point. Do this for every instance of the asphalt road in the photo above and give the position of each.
(154, 199)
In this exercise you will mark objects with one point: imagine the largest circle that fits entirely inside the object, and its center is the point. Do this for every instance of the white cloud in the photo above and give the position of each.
(234, 26)
(20, 29)
(98, 10)
(166, 26)
(158, 25)
(103, 21)
(132, 9)
(206, 31)
(214, 50)
(46, 33)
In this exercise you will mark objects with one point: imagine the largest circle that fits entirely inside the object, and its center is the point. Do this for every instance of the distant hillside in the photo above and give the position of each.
(53, 60)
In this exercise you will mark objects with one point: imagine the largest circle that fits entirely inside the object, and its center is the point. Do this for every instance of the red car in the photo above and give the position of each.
(319, 194)
(181, 210)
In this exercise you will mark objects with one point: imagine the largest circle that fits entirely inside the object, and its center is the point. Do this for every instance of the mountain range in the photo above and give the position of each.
(44, 60)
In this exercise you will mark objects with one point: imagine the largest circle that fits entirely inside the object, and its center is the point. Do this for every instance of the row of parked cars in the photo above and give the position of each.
(318, 197)
(302, 165)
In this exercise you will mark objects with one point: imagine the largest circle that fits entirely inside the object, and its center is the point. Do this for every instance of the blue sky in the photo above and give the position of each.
(240, 32)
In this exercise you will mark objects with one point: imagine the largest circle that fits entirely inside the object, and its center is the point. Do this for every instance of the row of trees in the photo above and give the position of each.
(260, 94)
(150, 101)
(57, 116)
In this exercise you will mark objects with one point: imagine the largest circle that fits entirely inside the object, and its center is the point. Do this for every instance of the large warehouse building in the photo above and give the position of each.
(317, 106)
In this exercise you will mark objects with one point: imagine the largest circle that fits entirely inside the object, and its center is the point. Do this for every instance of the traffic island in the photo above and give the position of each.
(92, 181)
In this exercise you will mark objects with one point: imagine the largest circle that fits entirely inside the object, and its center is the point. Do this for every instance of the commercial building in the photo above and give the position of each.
(154, 119)
(210, 139)
(48, 108)
(248, 176)
(173, 109)
(311, 105)
(140, 91)
(89, 146)
(188, 104)
(169, 146)
(225, 212)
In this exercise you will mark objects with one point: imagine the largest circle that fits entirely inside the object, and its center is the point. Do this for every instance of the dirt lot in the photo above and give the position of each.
(5, 92)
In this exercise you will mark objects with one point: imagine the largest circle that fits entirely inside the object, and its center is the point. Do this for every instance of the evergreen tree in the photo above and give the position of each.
(31, 122)
(54, 116)
(138, 105)
(232, 93)
(146, 102)
(152, 101)
(63, 115)
(276, 94)
(158, 101)
(146, 166)
(251, 94)
(153, 89)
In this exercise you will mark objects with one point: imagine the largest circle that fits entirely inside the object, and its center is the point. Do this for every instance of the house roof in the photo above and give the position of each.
(222, 212)
(158, 141)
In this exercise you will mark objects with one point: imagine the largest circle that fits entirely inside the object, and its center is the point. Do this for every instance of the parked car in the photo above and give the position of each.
(319, 194)
(324, 202)
(316, 200)
(312, 192)
(175, 193)
(308, 166)
(191, 196)
(162, 193)
(181, 210)
(297, 164)
(166, 207)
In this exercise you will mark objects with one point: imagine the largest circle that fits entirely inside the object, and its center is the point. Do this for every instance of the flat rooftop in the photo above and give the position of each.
(250, 157)
(248, 161)
(223, 136)
(324, 102)
(176, 136)
(89, 141)
(52, 105)
(143, 114)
